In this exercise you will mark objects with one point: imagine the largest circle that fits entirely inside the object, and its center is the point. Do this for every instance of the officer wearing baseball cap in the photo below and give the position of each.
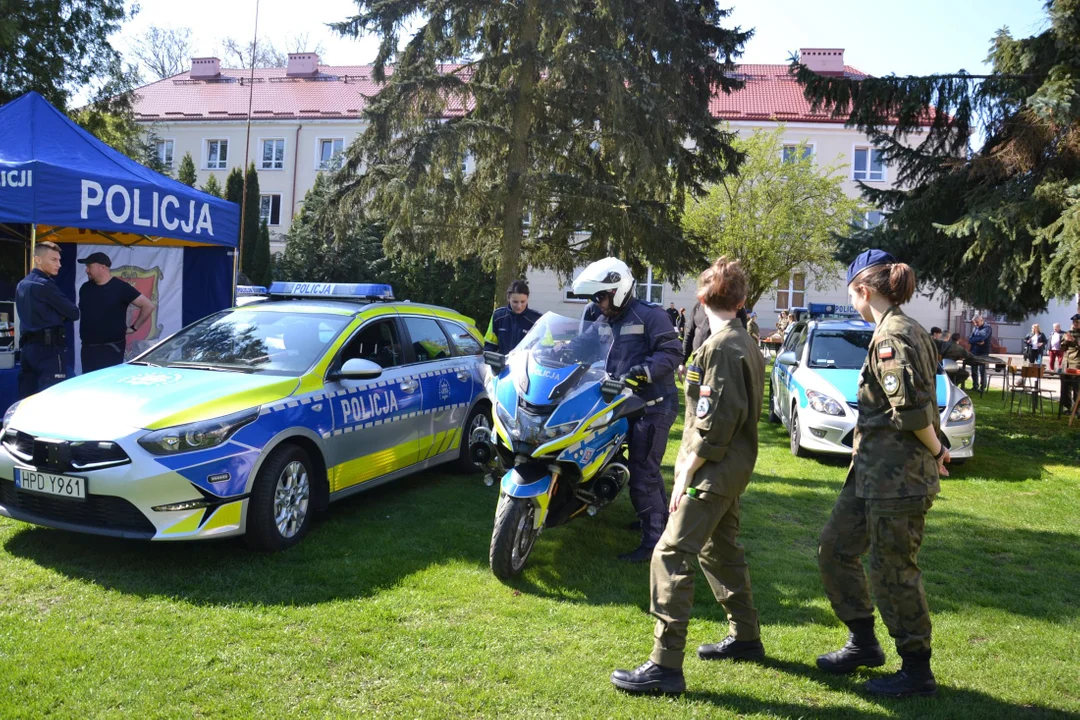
(104, 302)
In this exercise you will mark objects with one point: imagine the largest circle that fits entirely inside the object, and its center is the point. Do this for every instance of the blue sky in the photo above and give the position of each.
(909, 37)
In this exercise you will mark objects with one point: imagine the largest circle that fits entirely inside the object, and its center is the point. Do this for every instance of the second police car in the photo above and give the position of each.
(249, 420)
(814, 383)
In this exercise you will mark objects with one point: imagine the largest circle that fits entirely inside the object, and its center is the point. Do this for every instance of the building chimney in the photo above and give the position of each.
(823, 61)
(202, 68)
(302, 65)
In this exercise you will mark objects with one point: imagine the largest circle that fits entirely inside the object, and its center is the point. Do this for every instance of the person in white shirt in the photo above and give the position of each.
(1055, 345)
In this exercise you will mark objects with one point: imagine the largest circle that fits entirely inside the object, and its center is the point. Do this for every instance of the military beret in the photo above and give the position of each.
(1075, 317)
(868, 259)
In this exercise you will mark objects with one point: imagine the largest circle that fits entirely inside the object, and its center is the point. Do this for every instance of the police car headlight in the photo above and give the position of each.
(962, 411)
(198, 435)
(823, 403)
(10, 411)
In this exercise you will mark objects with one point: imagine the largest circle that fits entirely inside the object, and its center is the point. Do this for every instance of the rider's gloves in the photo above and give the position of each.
(637, 377)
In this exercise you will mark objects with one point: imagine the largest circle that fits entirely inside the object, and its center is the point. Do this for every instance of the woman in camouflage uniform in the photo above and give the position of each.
(894, 476)
(725, 382)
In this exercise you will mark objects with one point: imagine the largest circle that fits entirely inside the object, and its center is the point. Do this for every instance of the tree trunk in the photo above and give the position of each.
(518, 162)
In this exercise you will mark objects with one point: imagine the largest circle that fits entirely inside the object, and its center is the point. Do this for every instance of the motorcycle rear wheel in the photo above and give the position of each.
(513, 537)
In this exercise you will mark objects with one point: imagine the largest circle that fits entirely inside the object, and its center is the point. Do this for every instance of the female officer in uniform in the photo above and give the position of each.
(725, 381)
(897, 460)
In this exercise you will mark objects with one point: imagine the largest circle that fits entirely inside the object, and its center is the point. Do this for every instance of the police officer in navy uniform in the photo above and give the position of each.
(43, 309)
(104, 301)
(645, 352)
(509, 324)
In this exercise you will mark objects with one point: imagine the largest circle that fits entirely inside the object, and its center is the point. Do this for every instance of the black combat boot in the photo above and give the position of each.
(650, 678)
(862, 650)
(652, 527)
(731, 649)
(913, 678)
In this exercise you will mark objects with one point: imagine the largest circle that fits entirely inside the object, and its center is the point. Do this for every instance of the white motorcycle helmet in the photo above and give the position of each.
(607, 275)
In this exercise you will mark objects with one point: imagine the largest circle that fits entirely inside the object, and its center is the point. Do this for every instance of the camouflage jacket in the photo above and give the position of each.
(952, 351)
(725, 382)
(897, 396)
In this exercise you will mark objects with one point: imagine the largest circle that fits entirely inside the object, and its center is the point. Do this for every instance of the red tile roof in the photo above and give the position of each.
(339, 92)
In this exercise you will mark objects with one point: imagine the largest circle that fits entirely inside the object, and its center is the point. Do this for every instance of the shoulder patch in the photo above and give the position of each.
(693, 375)
(890, 382)
(703, 407)
(885, 352)
(705, 391)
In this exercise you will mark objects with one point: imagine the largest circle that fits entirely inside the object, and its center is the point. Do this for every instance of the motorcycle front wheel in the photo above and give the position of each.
(513, 537)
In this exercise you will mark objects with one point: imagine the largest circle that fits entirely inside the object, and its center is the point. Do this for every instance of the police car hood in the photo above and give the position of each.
(111, 403)
(841, 383)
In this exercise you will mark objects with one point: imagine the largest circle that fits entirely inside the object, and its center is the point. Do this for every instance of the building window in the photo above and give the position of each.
(270, 209)
(217, 154)
(791, 152)
(870, 219)
(330, 150)
(273, 154)
(651, 290)
(868, 164)
(164, 149)
(791, 291)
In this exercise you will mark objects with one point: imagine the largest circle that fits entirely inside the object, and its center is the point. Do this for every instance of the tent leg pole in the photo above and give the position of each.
(33, 247)
(235, 270)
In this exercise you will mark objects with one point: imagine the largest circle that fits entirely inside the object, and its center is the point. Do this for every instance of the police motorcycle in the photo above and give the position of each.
(560, 426)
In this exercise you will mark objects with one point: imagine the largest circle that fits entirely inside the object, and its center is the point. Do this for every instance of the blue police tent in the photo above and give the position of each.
(59, 183)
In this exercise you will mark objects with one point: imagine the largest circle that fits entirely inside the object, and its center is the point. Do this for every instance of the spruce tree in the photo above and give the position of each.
(998, 228)
(250, 239)
(212, 187)
(234, 186)
(186, 172)
(262, 271)
(591, 119)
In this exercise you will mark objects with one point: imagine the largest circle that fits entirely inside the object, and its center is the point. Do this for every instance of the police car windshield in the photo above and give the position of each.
(274, 343)
(844, 349)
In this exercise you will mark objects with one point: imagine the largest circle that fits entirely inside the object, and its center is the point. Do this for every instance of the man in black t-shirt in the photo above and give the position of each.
(103, 302)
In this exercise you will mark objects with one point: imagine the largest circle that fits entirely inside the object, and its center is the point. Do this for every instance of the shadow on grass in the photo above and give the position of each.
(949, 702)
(368, 542)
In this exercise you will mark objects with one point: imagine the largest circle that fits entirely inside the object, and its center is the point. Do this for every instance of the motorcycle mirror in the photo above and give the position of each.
(495, 360)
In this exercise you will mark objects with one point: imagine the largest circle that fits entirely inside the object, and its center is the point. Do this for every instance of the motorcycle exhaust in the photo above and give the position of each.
(480, 452)
(607, 486)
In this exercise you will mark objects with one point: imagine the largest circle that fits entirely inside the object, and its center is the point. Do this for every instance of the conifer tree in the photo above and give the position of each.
(212, 187)
(262, 271)
(587, 120)
(999, 227)
(234, 185)
(250, 239)
(186, 172)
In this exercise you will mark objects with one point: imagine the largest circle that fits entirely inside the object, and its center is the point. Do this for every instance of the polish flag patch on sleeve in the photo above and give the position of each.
(884, 352)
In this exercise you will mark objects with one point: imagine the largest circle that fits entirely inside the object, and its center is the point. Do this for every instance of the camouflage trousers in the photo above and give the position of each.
(891, 531)
(705, 527)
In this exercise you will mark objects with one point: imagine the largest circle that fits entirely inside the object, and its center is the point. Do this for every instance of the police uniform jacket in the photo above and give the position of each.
(725, 382)
(897, 396)
(643, 335)
(507, 328)
(41, 304)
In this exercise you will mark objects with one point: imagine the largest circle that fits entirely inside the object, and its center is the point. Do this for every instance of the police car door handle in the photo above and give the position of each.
(409, 386)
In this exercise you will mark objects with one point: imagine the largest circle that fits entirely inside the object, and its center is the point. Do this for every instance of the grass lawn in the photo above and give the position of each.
(388, 607)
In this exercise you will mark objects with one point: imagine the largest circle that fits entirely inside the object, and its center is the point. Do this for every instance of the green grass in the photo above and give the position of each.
(388, 607)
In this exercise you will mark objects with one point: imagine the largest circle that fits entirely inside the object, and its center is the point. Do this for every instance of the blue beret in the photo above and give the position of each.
(868, 259)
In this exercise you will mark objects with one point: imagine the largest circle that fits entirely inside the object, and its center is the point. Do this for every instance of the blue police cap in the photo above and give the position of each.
(868, 259)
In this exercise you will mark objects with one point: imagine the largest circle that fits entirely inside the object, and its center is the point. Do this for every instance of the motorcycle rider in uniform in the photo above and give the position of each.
(645, 352)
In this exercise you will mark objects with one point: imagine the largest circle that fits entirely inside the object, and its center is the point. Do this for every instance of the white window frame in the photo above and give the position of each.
(870, 150)
(206, 154)
(262, 142)
(810, 146)
(318, 152)
(161, 143)
(864, 219)
(270, 214)
(790, 290)
(649, 284)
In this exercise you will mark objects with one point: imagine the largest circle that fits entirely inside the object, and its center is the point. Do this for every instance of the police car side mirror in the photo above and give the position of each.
(950, 366)
(358, 369)
(788, 358)
(495, 360)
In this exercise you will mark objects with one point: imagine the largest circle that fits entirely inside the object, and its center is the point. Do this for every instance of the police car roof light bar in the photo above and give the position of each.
(365, 292)
(250, 289)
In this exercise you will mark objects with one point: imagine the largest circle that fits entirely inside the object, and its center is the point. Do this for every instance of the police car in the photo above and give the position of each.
(247, 294)
(250, 419)
(814, 381)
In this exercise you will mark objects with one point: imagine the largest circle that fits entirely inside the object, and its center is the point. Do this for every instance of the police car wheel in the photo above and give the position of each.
(479, 417)
(280, 508)
(796, 432)
(773, 417)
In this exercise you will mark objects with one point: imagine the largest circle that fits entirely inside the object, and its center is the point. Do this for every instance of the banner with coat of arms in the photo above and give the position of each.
(156, 273)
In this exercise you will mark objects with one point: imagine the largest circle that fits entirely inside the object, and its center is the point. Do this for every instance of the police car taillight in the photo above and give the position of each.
(336, 291)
